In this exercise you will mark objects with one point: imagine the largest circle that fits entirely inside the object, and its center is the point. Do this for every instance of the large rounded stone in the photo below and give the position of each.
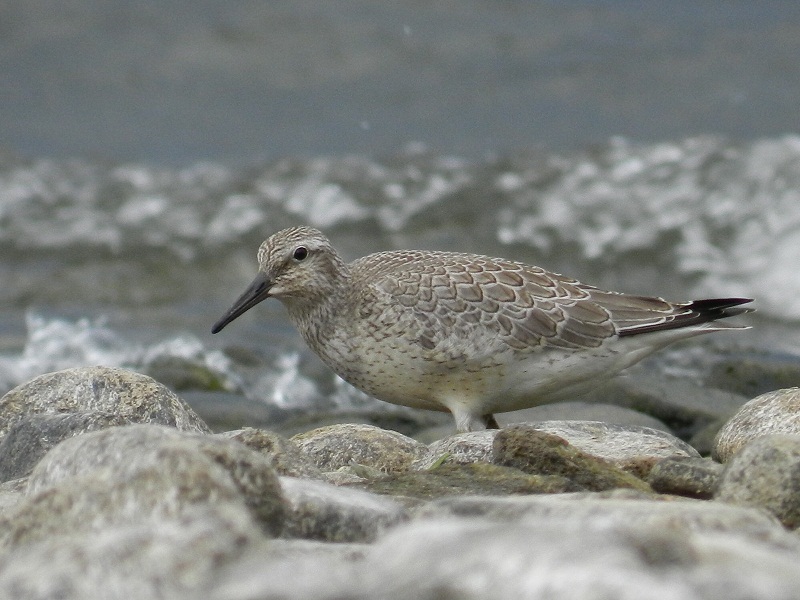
(136, 397)
(30, 437)
(538, 452)
(287, 457)
(632, 448)
(136, 559)
(576, 554)
(179, 466)
(460, 448)
(337, 446)
(581, 411)
(776, 412)
(766, 474)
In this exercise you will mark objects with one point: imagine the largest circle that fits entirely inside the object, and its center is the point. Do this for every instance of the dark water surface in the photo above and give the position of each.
(180, 81)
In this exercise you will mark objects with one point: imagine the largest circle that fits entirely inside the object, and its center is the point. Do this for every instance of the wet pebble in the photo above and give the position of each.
(776, 412)
(685, 476)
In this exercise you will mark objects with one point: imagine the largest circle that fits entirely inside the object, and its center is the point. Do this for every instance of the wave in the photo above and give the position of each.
(723, 216)
(54, 344)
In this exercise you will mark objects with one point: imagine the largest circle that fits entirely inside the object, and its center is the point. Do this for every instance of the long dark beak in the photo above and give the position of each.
(258, 291)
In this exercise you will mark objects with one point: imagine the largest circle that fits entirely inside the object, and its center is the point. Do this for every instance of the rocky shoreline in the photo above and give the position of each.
(113, 487)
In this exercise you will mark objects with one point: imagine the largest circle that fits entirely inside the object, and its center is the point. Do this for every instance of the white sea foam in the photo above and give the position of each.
(54, 344)
(733, 213)
(284, 385)
(724, 216)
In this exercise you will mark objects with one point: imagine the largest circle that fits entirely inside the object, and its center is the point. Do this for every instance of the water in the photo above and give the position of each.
(493, 130)
(187, 80)
(130, 265)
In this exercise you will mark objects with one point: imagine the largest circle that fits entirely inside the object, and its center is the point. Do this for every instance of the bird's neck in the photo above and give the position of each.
(320, 318)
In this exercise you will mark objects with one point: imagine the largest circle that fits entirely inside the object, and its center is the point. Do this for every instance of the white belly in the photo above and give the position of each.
(504, 382)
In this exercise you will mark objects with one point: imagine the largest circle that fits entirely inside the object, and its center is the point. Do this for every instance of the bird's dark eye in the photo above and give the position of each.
(300, 253)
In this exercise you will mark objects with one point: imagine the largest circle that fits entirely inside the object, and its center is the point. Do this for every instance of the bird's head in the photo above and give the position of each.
(297, 265)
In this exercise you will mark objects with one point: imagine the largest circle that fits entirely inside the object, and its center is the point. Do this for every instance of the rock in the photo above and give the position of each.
(180, 486)
(480, 559)
(147, 511)
(460, 449)
(582, 411)
(483, 561)
(176, 467)
(337, 446)
(135, 397)
(293, 549)
(30, 437)
(526, 448)
(345, 475)
(776, 412)
(632, 448)
(685, 476)
(683, 406)
(12, 493)
(559, 411)
(141, 511)
(286, 455)
(323, 511)
(408, 421)
(581, 510)
(766, 474)
(323, 572)
(182, 373)
(467, 479)
(175, 557)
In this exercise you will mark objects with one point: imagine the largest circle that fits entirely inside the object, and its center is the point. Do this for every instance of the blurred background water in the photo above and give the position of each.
(148, 148)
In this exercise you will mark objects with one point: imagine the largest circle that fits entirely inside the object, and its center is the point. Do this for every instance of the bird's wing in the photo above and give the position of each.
(493, 302)
(503, 303)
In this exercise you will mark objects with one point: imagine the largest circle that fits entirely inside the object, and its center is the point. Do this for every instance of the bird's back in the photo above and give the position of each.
(525, 308)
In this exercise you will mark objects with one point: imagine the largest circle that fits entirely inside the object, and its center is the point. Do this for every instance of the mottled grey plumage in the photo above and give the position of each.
(460, 332)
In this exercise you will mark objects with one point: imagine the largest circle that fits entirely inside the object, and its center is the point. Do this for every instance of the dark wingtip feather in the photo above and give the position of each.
(696, 312)
(717, 304)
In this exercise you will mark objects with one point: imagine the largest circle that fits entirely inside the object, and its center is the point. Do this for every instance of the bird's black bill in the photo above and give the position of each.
(258, 291)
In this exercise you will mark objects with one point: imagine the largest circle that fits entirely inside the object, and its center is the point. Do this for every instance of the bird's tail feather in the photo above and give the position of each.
(695, 313)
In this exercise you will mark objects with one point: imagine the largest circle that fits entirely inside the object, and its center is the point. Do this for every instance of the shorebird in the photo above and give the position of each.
(463, 333)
